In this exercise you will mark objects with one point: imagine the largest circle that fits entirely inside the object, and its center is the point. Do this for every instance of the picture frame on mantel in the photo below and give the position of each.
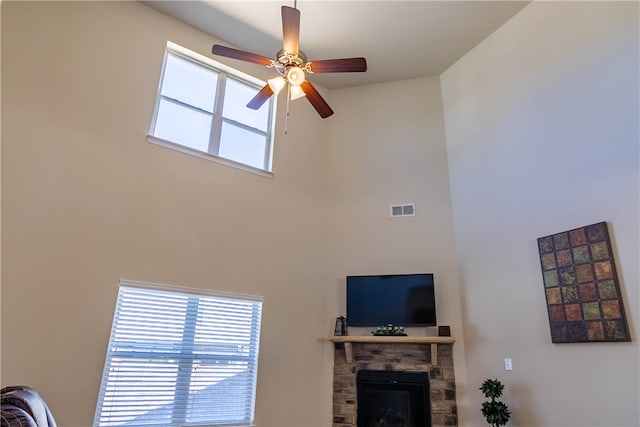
(584, 302)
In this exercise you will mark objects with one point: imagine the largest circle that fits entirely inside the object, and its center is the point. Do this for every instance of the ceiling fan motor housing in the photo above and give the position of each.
(285, 59)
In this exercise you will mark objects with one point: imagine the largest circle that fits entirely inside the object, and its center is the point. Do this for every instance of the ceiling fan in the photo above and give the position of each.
(292, 65)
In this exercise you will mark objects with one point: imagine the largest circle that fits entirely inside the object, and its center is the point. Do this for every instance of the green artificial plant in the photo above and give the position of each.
(496, 412)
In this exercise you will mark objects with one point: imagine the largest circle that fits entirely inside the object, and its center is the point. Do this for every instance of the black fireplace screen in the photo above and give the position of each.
(393, 399)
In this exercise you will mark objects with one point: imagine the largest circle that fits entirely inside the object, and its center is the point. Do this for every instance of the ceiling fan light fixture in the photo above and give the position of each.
(276, 84)
(295, 76)
(296, 92)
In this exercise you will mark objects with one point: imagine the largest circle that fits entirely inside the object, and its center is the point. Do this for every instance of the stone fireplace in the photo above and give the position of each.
(381, 357)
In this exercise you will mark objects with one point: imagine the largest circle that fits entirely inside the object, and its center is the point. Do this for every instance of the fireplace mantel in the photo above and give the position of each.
(391, 339)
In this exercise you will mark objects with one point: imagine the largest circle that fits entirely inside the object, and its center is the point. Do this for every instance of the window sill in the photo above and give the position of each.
(208, 156)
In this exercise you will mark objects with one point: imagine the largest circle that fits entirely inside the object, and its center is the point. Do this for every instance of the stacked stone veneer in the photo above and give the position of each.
(394, 357)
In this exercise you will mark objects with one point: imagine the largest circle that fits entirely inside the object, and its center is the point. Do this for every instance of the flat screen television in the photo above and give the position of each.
(397, 299)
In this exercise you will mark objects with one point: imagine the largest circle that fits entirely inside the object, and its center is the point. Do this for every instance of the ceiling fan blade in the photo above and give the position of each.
(344, 65)
(316, 99)
(230, 52)
(261, 97)
(290, 29)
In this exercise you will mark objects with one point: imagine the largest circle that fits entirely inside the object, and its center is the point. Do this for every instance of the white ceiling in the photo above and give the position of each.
(400, 39)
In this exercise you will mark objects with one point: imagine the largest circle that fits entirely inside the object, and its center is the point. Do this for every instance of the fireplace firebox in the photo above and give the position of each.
(393, 399)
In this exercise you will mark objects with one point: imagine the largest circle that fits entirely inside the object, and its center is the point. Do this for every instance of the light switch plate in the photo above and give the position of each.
(508, 366)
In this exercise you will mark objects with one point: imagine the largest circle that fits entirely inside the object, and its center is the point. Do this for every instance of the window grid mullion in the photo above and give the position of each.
(185, 105)
(245, 127)
(186, 363)
(216, 124)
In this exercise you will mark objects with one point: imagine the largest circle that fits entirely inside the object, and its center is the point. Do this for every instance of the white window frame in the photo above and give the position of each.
(135, 329)
(225, 72)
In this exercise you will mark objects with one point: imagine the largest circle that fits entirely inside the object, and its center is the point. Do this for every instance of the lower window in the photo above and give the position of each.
(180, 357)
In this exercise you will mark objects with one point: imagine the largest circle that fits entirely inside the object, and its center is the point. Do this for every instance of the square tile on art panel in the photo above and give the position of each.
(584, 302)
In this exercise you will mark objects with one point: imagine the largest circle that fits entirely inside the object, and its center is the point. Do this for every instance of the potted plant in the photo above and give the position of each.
(496, 412)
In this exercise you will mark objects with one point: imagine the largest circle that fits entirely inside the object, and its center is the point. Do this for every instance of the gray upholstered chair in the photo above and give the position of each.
(22, 406)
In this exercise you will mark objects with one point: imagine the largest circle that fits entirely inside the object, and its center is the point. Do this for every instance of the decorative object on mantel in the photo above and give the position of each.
(583, 296)
(496, 412)
(444, 331)
(389, 330)
(341, 326)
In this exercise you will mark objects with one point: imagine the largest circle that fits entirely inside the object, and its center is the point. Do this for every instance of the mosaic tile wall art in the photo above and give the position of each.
(581, 286)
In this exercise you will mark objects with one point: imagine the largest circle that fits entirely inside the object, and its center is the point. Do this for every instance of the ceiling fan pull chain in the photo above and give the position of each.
(286, 117)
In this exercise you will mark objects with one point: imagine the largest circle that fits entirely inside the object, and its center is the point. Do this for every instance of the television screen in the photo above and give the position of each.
(397, 299)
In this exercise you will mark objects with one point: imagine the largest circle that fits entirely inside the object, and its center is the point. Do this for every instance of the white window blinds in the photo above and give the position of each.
(180, 358)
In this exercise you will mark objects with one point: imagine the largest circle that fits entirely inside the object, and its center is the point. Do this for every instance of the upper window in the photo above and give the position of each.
(202, 106)
(177, 357)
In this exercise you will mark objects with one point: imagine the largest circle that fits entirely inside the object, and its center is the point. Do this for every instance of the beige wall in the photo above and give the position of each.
(542, 136)
(390, 149)
(86, 201)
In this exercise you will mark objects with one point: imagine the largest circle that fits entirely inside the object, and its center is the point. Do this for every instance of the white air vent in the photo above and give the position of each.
(403, 210)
